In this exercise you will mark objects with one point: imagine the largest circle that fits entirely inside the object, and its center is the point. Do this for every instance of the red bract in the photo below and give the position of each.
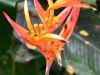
(41, 36)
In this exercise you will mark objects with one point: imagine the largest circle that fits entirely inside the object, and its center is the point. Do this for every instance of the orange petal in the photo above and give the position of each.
(84, 6)
(70, 23)
(61, 17)
(61, 3)
(39, 10)
(22, 32)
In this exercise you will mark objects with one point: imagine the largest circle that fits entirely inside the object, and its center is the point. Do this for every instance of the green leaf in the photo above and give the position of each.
(22, 54)
(5, 28)
(83, 52)
(92, 2)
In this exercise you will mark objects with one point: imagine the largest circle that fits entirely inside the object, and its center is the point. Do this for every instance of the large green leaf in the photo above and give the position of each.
(83, 52)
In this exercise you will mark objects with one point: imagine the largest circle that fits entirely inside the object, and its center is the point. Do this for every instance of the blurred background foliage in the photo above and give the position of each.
(80, 57)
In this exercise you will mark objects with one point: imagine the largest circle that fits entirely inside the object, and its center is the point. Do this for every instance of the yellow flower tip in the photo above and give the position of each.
(85, 6)
(55, 19)
(93, 8)
(58, 56)
(30, 46)
(59, 63)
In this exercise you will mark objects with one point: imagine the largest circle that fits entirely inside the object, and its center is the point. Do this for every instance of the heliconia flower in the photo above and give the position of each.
(41, 36)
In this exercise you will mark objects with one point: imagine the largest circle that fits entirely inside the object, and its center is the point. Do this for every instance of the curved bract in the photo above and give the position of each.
(41, 36)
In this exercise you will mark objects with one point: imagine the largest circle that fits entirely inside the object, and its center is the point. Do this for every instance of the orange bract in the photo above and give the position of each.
(41, 36)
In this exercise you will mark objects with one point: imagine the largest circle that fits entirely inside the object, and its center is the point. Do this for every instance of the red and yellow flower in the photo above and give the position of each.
(41, 36)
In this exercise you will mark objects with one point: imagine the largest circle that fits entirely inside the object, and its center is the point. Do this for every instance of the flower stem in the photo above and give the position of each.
(48, 65)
